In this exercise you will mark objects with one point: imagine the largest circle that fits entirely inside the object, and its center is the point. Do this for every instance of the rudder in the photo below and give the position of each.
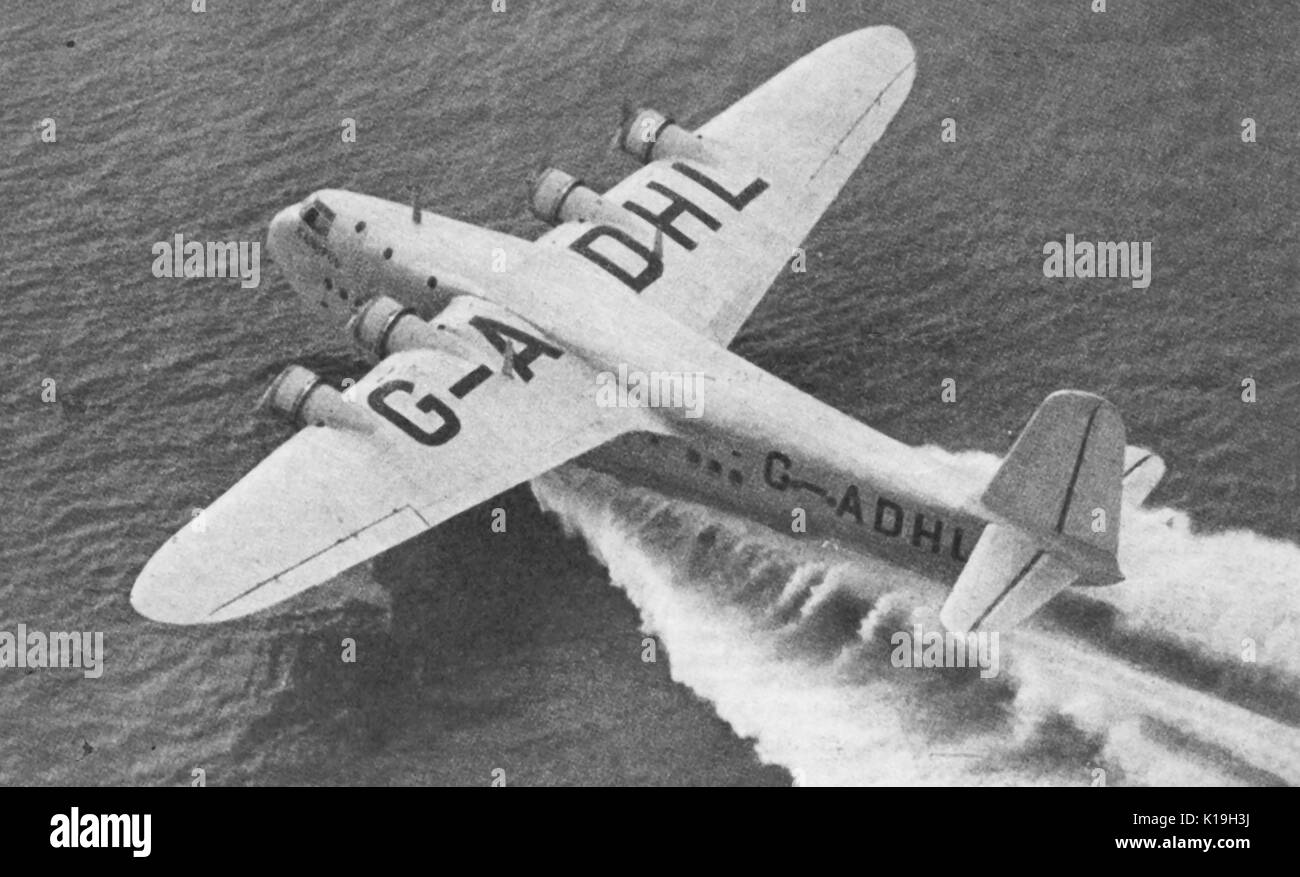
(1054, 506)
(1062, 481)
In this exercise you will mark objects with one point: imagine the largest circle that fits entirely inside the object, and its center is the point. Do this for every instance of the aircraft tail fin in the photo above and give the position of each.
(1055, 504)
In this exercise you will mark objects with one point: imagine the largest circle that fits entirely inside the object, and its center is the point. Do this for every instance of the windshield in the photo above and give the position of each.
(318, 217)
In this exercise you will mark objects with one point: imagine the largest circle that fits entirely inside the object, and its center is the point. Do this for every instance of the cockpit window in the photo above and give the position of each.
(318, 217)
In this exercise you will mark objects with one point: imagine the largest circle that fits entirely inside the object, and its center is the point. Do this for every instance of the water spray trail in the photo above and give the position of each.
(793, 648)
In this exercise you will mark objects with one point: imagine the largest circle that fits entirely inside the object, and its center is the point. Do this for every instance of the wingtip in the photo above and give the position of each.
(159, 593)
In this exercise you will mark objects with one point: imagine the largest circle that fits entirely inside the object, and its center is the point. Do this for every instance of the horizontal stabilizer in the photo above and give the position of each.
(1142, 472)
(1006, 580)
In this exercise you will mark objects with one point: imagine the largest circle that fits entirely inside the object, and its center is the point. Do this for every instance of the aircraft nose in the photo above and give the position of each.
(279, 235)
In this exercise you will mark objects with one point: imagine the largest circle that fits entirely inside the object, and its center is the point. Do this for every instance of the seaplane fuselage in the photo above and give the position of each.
(749, 443)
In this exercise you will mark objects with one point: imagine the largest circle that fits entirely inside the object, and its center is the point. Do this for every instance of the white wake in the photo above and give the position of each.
(792, 647)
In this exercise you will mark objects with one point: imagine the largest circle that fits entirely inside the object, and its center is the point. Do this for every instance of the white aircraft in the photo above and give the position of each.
(510, 377)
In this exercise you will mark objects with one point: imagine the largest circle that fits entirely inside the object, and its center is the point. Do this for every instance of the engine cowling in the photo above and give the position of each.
(384, 326)
(304, 399)
(373, 325)
(649, 135)
(560, 197)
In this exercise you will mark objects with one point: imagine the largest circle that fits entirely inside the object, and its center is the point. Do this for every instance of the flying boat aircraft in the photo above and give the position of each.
(497, 358)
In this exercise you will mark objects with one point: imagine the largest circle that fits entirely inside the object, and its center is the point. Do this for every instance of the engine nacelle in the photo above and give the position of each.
(561, 197)
(304, 399)
(372, 327)
(383, 327)
(649, 136)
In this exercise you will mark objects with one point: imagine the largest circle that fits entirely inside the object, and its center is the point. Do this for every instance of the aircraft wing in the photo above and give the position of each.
(427, 435)
(775, 161)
